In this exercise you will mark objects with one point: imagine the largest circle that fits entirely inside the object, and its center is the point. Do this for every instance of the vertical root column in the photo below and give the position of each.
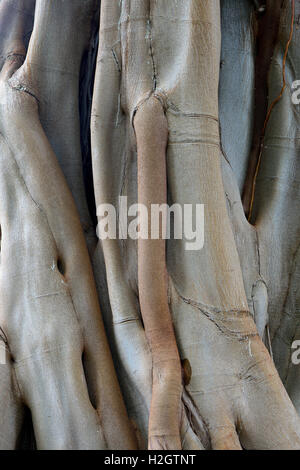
(151, 130)
(267, 37)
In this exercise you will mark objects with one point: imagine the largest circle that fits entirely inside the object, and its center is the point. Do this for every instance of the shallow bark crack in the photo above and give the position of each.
(23, 88)
(116, 60)
(4, 337)
(231, 315)
(150, 38)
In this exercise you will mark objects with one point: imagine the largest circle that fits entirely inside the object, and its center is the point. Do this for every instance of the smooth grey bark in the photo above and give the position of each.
(205, 289)
(59, 363)
(271, 258)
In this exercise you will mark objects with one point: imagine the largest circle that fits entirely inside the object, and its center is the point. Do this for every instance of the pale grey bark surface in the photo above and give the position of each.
(271, 256)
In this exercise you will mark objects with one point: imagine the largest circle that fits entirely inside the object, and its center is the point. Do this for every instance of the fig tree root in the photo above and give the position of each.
(151, 130)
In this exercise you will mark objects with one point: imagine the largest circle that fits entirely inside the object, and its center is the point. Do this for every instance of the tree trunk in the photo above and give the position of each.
(161, 102)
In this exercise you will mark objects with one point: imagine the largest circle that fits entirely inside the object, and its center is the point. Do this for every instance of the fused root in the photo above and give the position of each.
(152, 134)
(267, 35)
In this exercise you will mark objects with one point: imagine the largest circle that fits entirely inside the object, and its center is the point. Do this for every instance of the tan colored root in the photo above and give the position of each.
(152, 134)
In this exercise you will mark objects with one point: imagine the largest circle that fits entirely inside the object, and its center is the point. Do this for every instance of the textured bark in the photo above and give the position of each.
(186, 329)
(50, 318)
(276, 202)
